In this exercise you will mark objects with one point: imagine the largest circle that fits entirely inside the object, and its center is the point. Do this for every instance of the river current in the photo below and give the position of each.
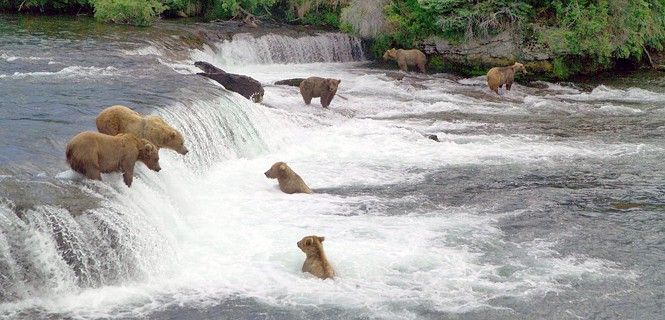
(544, 203)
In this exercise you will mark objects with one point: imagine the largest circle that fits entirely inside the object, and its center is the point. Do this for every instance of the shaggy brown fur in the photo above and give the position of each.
(406, 58)
(316, 262)
(289, 181)
(92, 153)
(120, 119)
(498, 76)
(314, 87)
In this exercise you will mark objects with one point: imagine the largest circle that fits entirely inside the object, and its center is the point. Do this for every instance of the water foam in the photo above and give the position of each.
(210, 226)
(272, 48)
(66, 73)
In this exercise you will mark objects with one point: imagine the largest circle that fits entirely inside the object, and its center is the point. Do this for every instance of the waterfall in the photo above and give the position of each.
(133, 234)
(274, 48)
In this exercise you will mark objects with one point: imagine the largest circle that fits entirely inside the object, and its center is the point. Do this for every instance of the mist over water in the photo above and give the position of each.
(541, 203)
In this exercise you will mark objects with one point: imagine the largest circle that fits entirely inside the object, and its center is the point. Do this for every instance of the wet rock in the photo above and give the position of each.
(27, 194)
(500, 50)
(246, 86)
(433, 137)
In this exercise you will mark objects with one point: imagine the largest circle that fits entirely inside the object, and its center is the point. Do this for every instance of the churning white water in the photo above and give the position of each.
(211, 227)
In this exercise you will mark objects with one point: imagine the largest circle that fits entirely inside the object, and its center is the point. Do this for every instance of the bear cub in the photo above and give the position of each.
(316, 262)
(289, 181)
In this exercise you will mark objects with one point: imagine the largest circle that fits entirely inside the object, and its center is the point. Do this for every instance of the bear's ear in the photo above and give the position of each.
(282, 166)
(309, 242)
(337, 81)
(321, 239)
(149, 147)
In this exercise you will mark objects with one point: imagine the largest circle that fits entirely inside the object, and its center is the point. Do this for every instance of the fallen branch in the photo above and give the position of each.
(653, 65)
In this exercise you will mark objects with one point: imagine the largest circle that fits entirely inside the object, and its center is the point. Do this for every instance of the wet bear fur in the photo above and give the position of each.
(289, 181)
(92, 153)
(316, 262)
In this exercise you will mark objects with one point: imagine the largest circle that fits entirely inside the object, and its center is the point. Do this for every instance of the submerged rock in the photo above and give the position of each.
(246, 86)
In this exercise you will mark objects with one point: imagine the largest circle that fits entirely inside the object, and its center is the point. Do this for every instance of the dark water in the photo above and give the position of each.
(544, 203)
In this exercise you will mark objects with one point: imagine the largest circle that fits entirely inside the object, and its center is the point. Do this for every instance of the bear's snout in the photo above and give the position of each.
(267, 173)
(158, 168)
(183, 151)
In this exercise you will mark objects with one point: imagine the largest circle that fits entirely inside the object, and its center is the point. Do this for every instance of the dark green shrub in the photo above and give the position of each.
(379, 46)
(134, 12)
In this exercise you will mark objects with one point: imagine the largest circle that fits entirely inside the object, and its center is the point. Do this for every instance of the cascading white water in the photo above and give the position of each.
(211, 227)
(270, 49)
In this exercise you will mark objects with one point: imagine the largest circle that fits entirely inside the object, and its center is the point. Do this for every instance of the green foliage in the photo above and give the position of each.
(224, 9)
(324, 18)
(346, 27)
(477, 18)
(312, 12)
(177, 4)
(380, 45)
(44, 5)
(436, 64)
(135, 12)
(410, 21)
(605, 30)
(457, 20)
(560, 69)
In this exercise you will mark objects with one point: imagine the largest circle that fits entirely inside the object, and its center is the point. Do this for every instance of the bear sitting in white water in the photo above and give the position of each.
(289, 181)
(316, 262)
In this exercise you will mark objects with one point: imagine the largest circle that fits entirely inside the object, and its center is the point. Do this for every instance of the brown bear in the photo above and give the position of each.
(406, 58)
(92, 153)
(314, 87)
(289, 181)
(498, 76)
(120, 119)
(316, 262)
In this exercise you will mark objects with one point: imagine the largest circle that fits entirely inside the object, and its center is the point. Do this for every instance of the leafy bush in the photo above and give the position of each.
(135, 12)
(44, 5)
(606, 30)
(409, 21)
(457, 20)
(224, 9)
(380, 45)
(324, 18)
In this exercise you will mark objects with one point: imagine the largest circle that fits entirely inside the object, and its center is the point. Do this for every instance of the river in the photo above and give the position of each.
(544, 203)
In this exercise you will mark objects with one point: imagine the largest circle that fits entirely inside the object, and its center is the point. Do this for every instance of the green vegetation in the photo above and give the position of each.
(145, 12)
(597, 32)
(136, 12)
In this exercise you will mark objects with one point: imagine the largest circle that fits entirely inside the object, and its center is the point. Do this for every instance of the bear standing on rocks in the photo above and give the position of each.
(314, 87)
(92, 153)
(316, 262)
(498, 76)
(120, 119)
(406, 58)
(289, 181)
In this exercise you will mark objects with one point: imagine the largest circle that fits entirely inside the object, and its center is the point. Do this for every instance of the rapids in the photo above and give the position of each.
(545, 202)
